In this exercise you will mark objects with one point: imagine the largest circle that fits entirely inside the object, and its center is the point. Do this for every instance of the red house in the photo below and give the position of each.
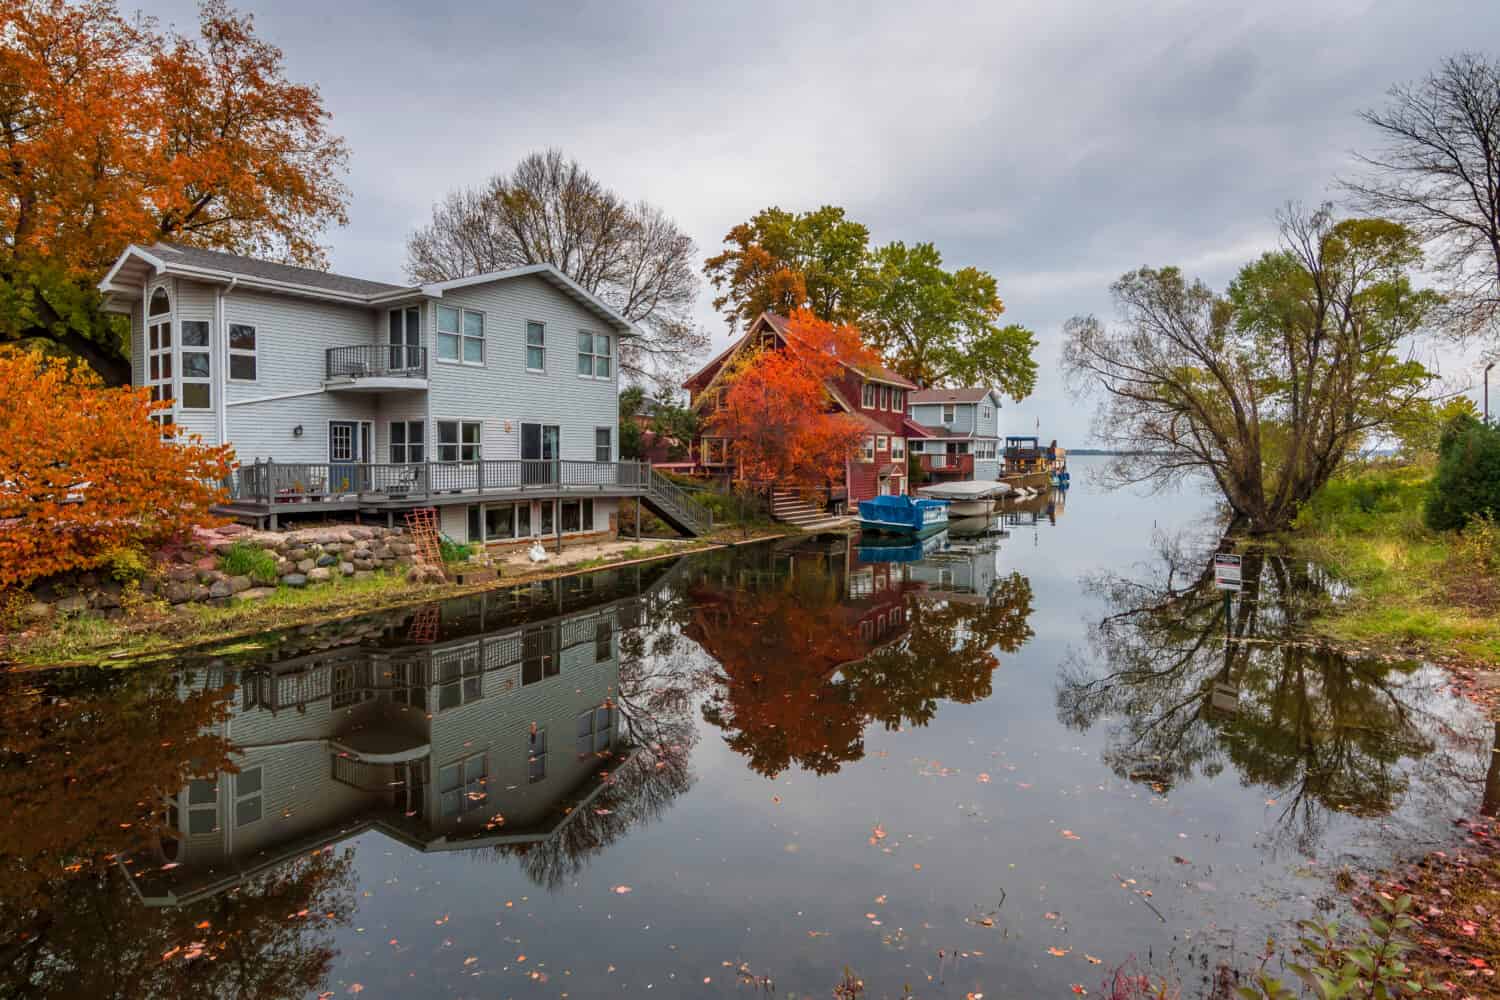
(873, 395)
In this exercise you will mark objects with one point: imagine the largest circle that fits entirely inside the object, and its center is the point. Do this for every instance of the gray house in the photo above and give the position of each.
(493, 397)
(960, 433)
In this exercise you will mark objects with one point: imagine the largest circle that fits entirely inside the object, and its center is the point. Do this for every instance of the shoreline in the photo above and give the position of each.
(94, 642)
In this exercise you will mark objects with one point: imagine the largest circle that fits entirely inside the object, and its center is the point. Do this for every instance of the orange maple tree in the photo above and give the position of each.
(85, 470)
(778, 416)
(113, 131)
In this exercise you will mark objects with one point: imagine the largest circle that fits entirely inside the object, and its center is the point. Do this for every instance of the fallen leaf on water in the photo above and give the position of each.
(880, 899)
(1070, 835)
(877, 834)
(1058, 952)
(471, 959)
(1092, 959)
(356, 988)
(520, 958)
(1049, 916)
(984, 779)
(620, 890)
(1078, 988)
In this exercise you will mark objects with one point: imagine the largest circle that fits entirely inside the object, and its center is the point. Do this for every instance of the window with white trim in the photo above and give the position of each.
(247, 796)
(203, 806)
(986, 411)
(603, 444)
(593, 730)
(882, 443)
(898, 448)
(885, 397)
(159, 351)
(408, 441)
(867, 449)
(197, 366)
(536, 754)
(577, 515)
(594, 354)
(458, 440)
(460, 677)
(948, 413)
(898, 396)
(461, 785)
(536, 346)
(460, 335)
(867, 396)
(242, 363)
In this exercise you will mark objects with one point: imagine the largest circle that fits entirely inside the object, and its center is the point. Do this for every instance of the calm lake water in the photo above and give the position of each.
(998, 764)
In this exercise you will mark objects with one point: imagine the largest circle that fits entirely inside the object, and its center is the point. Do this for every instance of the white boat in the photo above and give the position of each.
(972, 498)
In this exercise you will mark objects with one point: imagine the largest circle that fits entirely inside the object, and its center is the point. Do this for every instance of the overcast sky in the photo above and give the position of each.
(1054, 144)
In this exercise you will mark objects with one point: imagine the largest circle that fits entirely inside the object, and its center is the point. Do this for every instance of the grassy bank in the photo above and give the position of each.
(1435, 594)
(154, 628)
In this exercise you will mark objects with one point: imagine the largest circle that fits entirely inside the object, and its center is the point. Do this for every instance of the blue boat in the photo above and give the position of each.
(903, 515)
(899, 550)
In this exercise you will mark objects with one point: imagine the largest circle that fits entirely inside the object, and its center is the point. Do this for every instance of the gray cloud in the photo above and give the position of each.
(1056, 145)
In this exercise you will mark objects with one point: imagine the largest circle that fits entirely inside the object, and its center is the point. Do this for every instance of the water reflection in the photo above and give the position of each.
(1191, 679)
(813, 643)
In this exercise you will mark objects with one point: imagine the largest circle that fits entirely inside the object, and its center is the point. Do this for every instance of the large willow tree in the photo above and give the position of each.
(1268, 388)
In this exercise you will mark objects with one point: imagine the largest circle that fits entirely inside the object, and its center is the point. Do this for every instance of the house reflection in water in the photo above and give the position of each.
(482, 722)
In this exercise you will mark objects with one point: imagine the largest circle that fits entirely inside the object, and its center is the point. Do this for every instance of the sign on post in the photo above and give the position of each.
(1226, 571)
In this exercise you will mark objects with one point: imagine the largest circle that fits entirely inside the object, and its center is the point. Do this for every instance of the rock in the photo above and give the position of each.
(221, 588)
(233, 529)
(363, 574)
(37, 611)
(327, 560)
(346, 568)
(178, 592)
(206, 564)
(181, 574)
(404, 561)
(209, 575)
(381, 552)
(254, 593)
(304, 565)
(224, 546)
(200, 593)
(363, 566)
(239, 584)
(72, 604)
(294, 580)
(319, 574)
(103, 598)
(297, 554)
(359, 532)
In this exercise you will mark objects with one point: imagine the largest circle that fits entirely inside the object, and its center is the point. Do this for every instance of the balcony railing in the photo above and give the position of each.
(270, 482)
(949, 464)
(377, 360)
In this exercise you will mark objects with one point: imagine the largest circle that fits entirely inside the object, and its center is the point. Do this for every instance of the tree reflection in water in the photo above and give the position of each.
(1192, 678)
(88, 759)
(804, 659)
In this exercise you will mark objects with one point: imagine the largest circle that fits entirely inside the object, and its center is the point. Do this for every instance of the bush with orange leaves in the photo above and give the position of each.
(778, 415)
(84, 470)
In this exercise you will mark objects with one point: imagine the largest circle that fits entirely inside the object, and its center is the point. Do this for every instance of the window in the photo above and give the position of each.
(577, 515)
(536, 754)
(882, 443)
(603, 640)
(899, 397)
(247, 796)
(536, 346)
(406, 338)
(867, 399)
(885, 397)
(547, 515)
(408, 441)
(159, 351)
(986, 411)
(539, 655)
(460, 677)
(203, 805)
(603, 448)
(458, 441)
(499, 521)
(948, 411)
(460, 335)
(197, 391)
(241, 353)
(868, 447)
(461, 785)
(898, 448)
(593, 730)
(593, 354)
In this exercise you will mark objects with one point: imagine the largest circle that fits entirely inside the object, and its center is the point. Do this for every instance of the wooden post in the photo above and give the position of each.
(557, 522)
(637, 518)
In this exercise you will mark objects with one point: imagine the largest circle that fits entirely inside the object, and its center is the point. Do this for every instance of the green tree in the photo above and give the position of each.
(782, 261)
(631, 401)
(939, 327)
(1419, 431)
(1269, 388)
(1467, 483)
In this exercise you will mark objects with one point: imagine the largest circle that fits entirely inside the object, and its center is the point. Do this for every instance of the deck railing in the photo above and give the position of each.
(270, 482)
(962, 464)
(376, 360)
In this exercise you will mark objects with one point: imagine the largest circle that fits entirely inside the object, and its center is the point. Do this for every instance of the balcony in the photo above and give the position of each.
(948, 465)
(375, 367)
(380, 482)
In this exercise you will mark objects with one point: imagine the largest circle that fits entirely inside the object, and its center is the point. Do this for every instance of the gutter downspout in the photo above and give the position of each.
(221, 320)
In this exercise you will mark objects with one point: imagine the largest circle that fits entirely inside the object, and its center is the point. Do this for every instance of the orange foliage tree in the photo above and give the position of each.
(778, 415)
(115, 131)
(85, 470)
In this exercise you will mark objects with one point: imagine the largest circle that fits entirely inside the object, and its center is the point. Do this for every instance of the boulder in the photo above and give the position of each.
(294, 580)
(346, 568)
(181, 574)
(319, 574)
(254, 593)
(327, 559)
(363, 565)
(178, 592)
(206, 564)
(298, 553)
(209, 575)
(37, 611)
(363, 574)
(221, 588)
(200, 593)
(239, 584)
(304, 565)
(72, 604)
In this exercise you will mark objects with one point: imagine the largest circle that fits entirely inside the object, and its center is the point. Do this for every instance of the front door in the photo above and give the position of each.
(345, 438)
(539, 453)
(406, 338)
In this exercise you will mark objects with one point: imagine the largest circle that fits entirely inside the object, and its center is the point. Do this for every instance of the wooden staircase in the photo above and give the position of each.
(675, 506)
(791, 507)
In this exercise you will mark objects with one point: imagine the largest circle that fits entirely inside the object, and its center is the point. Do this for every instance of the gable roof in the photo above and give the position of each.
(973, 394)
(876, 373)
(136, 265)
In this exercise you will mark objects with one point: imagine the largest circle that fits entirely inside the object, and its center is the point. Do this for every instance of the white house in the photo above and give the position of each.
(960, 432)
(492, 397)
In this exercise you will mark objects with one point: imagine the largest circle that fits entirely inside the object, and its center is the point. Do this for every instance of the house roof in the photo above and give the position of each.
(947, 433)
(973, 394)
(877, 373)
(914, 429)
(136, 265)
(870, 424)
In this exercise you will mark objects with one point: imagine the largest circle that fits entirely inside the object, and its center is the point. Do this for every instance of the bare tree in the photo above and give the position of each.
(551, 210)
(1267, 389)
(1438, 172)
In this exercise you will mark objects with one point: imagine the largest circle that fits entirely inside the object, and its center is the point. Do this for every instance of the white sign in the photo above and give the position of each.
(1226, 571)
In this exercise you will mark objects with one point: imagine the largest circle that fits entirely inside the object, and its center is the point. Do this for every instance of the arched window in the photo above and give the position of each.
(159, 351)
